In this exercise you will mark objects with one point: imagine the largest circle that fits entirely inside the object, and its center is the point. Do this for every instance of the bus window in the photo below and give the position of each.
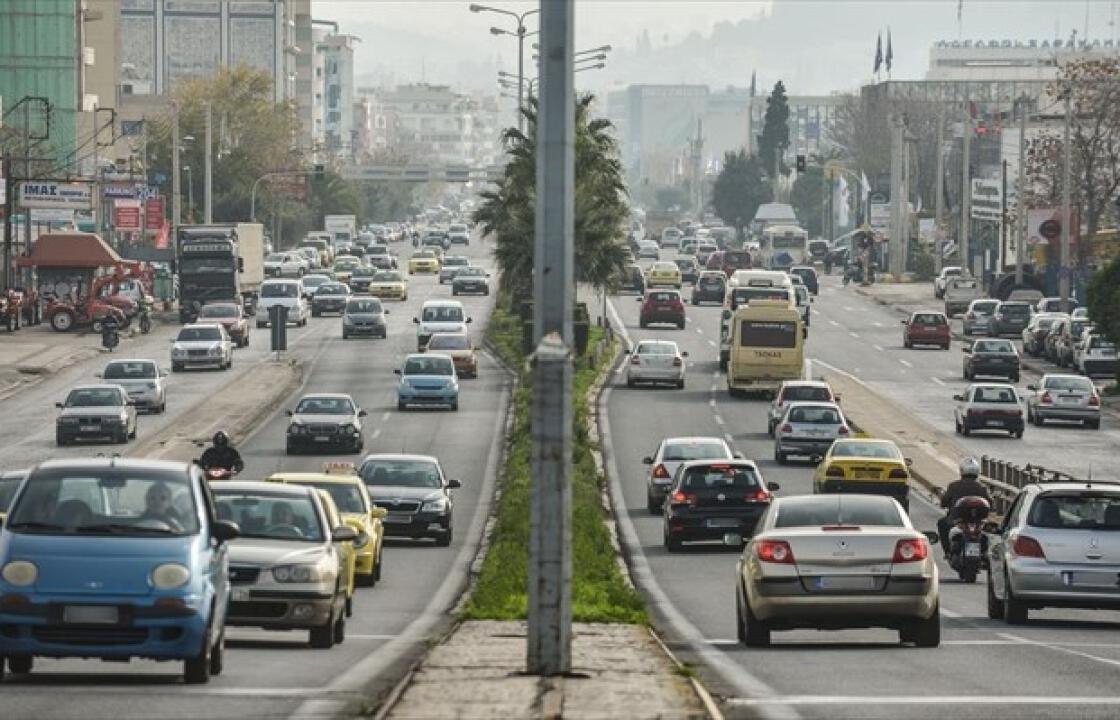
(772, 334)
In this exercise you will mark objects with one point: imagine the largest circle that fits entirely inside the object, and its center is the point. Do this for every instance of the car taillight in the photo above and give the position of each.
(774, 551)
(787, 428)
(843, 430)
(1045, 399)
(834, 471)
(635, 360)
(1094, 401)
(677, 362)
(682, 498)
(660, 471)
(898, 474)
(758, 495)
(678, 305)
(1026, 546)
(910, 550)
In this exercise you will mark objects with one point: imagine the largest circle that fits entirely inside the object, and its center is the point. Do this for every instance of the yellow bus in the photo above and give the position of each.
(767, 347)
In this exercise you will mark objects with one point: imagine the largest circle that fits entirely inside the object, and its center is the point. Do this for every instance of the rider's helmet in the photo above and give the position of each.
(221, 439)
(970, 468)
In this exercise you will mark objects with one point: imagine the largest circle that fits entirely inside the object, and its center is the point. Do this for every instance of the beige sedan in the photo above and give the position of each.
(832, 562)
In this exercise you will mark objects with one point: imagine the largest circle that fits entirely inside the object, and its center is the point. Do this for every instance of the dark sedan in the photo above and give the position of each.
(415, 491)
(714, 499)
(473, 280)
(330, 298)
(688, 269)
(991, 358)
(808, 276)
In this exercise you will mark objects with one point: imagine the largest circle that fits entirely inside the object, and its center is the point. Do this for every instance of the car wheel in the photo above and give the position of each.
(672, 544)
(339, 630)
(1018, 433)
(957, 426)
(455, 406)
(740, 627)
(217, 654)
(965, 429)
(925, 633)
(1039, 421)
(756, 633)
(345, 336)
(132, 434)
(680, 384)
(176, 367)
(444, 538)
(643, 324)
(289, 449)
(60, 439)
(322, 637)
(653, 505)
(196, 670)
(630, 383)
(401, 405)
(377, 565)
(995, 605)
(780, 456)
(261, 325)
(315, 313)
(20, 664)
(906, 344)
(966, 332)
(1014, 611)
(1014, 378)
(162, 407)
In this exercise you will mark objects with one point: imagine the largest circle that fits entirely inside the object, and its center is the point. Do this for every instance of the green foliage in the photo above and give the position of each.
(774, 140)
(808, 196)
(922, 264)
(740, 189)
(601, 210)
(599, 591)
(1104, 300)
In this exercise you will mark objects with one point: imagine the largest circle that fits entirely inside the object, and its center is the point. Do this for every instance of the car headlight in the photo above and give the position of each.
(295, 573)
(348, 428)
(436, 505)
(177, 351)
(216, 350)
(296, 429)
(170, 575)
(20, 573)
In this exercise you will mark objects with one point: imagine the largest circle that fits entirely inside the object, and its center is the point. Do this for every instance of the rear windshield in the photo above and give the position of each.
(929, 320)
(720, 477)
(808, 511)
(994, 395)
(1017, 309)
(1076, 512)
(1096, 341)
(443, 313)
(130, 371)
(676, 452)
(878, 451)
(993, 346)
(449, 342)
(1068, 383)
(763, 333)
(656, 349)
(814, 415)
(737, 259)
(743, 296)
(662, 297)
(984, 307)
(806, 392)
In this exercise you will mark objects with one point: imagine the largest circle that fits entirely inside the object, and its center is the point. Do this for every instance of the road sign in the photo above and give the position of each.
(126, 216)
(423, 173)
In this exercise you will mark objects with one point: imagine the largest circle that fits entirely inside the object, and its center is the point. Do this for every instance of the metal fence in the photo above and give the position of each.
(1004, 479)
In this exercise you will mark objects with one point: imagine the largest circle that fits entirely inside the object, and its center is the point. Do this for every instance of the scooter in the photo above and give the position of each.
(967, 551)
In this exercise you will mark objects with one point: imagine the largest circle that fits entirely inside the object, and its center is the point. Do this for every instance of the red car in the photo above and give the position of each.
(733, 260)
(926, 328)
(231, 317)
(662, 306)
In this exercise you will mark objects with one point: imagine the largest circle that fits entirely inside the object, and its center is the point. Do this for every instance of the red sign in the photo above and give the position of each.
(153, 213)
(126, 218)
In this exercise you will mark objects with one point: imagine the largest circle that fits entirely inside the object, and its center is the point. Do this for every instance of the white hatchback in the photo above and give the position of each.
(656, 361)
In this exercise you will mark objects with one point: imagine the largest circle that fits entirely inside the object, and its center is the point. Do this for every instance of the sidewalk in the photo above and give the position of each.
(33, 352)
(619, 671)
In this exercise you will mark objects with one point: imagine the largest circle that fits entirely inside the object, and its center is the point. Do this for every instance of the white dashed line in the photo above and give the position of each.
(877, 324)
(718, 419)
(833, 323)
(878, 348)
(907, 363)
(855, 335)
(376, 434)
(938, 380)
(699, 331)
(712, 343)
(712, 402)
(385, 416)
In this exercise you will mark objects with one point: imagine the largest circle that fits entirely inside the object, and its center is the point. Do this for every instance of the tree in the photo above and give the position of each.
(740, 189)
(508, 211)
(774, 140)
(808, 197)
(1104, 300)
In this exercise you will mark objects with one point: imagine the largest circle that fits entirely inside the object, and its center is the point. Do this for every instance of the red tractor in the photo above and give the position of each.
(65, 314)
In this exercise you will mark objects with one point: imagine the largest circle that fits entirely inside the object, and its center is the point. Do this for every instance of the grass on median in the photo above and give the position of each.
(599, 591)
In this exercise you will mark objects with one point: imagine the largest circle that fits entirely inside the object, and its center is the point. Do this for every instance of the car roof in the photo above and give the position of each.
(694, 440)
(719, 461)
(400, 457)
(806, 383)
(197, 325)
(110, 462)
(335, 396)
(117, 361)
(273, 488)
(813, 403)
(869, 441)
(442, 303)
(304, 477)
(97, 386)
(999, 385)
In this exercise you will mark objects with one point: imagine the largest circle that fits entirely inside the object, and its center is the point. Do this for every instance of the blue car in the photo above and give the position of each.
(113, 559)
(428, 379)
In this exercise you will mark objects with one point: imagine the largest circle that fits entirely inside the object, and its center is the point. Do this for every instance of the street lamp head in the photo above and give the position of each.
(498, 31)
(475, 8)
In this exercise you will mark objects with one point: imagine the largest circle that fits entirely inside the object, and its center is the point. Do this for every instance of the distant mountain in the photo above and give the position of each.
(391, 57)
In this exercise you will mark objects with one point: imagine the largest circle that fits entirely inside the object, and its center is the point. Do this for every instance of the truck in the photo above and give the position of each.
(343, 228)
(219, 263)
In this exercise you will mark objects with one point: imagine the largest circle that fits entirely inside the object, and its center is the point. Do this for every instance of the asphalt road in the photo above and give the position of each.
(1062, 664)
(275, 674)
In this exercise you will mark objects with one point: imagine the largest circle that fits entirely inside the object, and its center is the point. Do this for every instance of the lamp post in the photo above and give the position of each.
(190, 192)
(520, 33)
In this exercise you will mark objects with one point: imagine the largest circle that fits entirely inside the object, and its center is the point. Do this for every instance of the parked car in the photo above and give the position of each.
(1064, 397)
(1068, 339)
(710, 286)
(926, 328)
(978, 317)
(808, 429)
(656, 361)
(959, 293)
(200, 346)
(661, 306)
(101, 412)
(229, 315)
(1010, 318)
(942, 279)
(116, 558)
(670, 454)
(991, 357)
(989, 406)
(1095, 355)
(1034, 334)
(714, 499)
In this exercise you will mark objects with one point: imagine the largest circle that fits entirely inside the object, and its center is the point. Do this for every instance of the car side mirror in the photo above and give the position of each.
(684, 353)
(97, 375)
(378, 513)
(959, 398)
(363, 413)
(1032, 387)
(289, 413)
(224, 530)
(385, 311)
(416, 320)
(344, 533)
(909, 462)
(773, 486)
(59, 405)
(932, 536)
(396, 371)
(470, 320)
(454, 484)
(647, 460)
(637, 299)
(737, 455)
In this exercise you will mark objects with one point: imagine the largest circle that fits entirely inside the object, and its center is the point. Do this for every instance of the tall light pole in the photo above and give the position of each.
(190, 192)
(521, 33)
(208, 186)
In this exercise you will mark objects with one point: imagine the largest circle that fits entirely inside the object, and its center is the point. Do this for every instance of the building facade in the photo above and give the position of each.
(810, 117)
(1007, 60)
(431, 123)
(337, 90)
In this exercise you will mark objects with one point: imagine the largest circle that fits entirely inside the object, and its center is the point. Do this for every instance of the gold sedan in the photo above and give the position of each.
(387, 284)
(424, 261)
(462, 351)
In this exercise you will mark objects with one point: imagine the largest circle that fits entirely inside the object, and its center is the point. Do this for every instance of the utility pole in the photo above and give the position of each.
(1021, 193)
(1003, 219)
(697, 146)
(898, 198)
(176, 200)
(9, 207)
(966, 195)
(208, 186)
(826, 205)
(939, 196)
(549, 650)
(1067, 213)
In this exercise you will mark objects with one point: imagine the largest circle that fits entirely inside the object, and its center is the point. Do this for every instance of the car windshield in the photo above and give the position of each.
(449, 342)
(425, 254)
(125, 370)
(656, 348)
(332, 289)
(199, 333)
(856, 449)
(280, 290)
(428, 366)
(456, 261)
(1081, 511)
(314, 281)
(993, 346)
(445, 313)
(825, 510)
(679, 451)
(984, 307)
(712, 279)
(347, 497)
(994, 395)
(1068, 383)
(685, 263)
(1015, 309)
(387, 276)
(325, 406)
(275, 258)
(1098, 342)
(400, 473)
(720, 477)
(813, 415)
(928, 319)
(218, 311)
(105, 501)
(363, 306)
(9, 483)
(94, 397)
(794, 393)
(270, 516)
(471, 272)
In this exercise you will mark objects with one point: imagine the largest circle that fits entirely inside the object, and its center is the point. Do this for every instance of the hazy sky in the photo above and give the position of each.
(816, 46)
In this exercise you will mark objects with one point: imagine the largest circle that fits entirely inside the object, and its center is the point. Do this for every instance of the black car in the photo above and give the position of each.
(710, 286)
(471, 280)
(991, 357)
(325, 421)
(382, 262)
(808, 276)
(415, 491)
(364, 316)
(688, 268)
(330, 298)
(360, 279)
(633, 280)
(712, 499)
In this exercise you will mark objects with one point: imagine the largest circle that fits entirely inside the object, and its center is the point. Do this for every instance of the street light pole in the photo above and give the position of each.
(966, 195)
(1021, 193)
(1067, 214)
(521, 34)
(176, 191)
(208, 186)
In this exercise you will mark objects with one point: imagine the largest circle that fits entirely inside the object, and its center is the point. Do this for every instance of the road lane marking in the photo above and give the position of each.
(877, 324)
(718, 419)
(834, 323)
(699, 331)
(385, 416)
(855, 335)
(938, 380)
(1059, 648)
(376, 434)
(713, 344)
(878, 348)
(712, 402)
(907, 363)
(961, 700)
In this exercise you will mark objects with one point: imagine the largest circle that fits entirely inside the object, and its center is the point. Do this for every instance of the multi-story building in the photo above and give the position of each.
(727, 125)
(431, 123)
(337, 100)
(660, 120)
(1009, 61)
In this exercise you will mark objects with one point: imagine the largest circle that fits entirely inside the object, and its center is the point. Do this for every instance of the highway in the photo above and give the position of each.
(999, 669)
(275, 674)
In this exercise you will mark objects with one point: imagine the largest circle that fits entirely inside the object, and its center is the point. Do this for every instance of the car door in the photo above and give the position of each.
(216, 561)
(997, 547)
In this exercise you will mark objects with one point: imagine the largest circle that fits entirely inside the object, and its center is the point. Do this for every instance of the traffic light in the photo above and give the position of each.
(801, 163)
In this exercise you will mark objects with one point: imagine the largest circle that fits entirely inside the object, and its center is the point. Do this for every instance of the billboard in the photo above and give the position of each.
(1044, 226)
(987, 200)
(34, 194)
(126, 215)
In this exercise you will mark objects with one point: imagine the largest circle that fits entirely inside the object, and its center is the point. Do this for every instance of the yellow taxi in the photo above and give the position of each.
(349, 495)
(347, 549)
(664, 274)
(388, 284)
(424, 261)
(864, 465)
(461, 349)
(344, 268)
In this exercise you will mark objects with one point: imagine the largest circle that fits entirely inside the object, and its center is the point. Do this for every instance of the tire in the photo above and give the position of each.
(740, 627)
(680, 384)
(965, 429)
(315, 313)
(925, 633)
(378, 565)
(769, 428)
(680, 325)
(401, 405)
(1014, 611)
(345, 336)
(322, 637)
(643, 324)
(60, 439)
(781, 457)
(289, 449)
(196, 670)
(756, 633)
(968, 575)
(339, 630)
(907, 344)
(261, 325)
(20, 664)
(653, 506)
(1014, 378)
(995, 605)
(455, 406)
(444, 539)
(62, 321)
(217, 654)
(162, 408)
(1018, 434)
(132, 434)
(1039, 421)
(672, 544)
(176, 367)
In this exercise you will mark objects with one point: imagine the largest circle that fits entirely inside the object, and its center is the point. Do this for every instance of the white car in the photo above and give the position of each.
(201, 345)
(1095, 355)
(990, 406)
(648, 250)
(656, 361)
(439, 316)
(142, 379)
(809, 429)
(288, 293)
(798, 391)
(286, 264)
(670, 454)
(939, 283)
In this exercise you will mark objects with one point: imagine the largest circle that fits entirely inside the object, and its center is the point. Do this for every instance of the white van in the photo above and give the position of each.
(286, 292)
(439, 316)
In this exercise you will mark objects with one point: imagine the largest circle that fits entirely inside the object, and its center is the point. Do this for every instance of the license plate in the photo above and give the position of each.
(89, 428)
(994, 423)
(1070, 400)
(1093, 579)
(866, 475)
(845, 582)
(322, 438)
(90, 614)
(721, 523)
(392, 519)
(239, 594)
(972, 550)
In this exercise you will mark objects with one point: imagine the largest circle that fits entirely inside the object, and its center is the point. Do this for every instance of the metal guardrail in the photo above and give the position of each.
(1005, 479)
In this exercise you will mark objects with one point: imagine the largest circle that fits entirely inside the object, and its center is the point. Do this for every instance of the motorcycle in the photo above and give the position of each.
(110, 334)
(216, 473)
(967, 552)
(145, 317)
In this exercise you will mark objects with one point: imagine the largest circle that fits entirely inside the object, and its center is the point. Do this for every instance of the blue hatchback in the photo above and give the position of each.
(113, 559)
(428, 379)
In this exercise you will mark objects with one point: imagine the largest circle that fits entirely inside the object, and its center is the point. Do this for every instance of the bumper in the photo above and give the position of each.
(995, 423)
(803, 446)
(672, 375)
(330, 440)
(281, 610)
(674, 318)
(98, 432)
(708, 296)
(200, 362)
(1042, 583)
(1072, 413)
(975, 326)
(372, 330)
(423, 269)
(472, 288)
(929, 339)
(712, 525)
(417, 525)
(430, 397)
(328, 308)
(387, 294)
(995, 369)
(788, 604)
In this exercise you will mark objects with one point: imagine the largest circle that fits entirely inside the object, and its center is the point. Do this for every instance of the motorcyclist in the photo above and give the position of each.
(968, 485)
(222, 455)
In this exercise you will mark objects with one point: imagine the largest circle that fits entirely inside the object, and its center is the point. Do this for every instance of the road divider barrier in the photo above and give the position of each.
(1005, 479)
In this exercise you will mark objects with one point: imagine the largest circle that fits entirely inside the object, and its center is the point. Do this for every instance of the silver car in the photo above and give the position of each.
(95, 411)
(809, 429)
(797, 391)
(142, 379)
(201, 345)
(656, 361)
(1059, 546)
(670, 454)
(832, 562)
(1064, 397)
(978, 318)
